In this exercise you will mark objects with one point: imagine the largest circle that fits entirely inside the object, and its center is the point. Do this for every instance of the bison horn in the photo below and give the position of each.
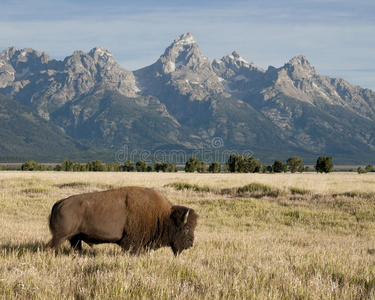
(185, 218)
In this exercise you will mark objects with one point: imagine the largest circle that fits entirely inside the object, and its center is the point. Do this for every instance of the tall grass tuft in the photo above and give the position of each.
(180, 186)
(254, 189)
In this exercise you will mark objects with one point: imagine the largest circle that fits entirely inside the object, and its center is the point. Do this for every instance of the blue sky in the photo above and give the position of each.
(337, 36)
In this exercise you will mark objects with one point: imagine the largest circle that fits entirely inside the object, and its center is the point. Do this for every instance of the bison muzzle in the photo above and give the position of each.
(135, 218)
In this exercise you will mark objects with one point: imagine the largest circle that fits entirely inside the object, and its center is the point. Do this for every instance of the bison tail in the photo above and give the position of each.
(51, 216)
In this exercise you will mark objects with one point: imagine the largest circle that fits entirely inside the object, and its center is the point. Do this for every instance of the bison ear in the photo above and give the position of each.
(180, 215)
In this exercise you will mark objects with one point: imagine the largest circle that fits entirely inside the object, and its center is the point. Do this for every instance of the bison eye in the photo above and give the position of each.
(186, 230)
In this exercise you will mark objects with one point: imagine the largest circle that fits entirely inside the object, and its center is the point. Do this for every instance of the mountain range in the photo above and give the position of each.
(89, 104)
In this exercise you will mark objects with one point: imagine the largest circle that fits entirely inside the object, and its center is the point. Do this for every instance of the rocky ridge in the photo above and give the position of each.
(191, 100)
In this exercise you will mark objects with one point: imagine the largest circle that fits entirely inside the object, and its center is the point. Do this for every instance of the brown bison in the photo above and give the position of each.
(135, 218)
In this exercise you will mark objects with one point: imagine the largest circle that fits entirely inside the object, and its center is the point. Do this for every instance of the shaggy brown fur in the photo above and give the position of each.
(135, 218)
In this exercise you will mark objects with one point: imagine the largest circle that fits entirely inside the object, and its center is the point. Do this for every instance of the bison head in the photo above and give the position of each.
(184, 221)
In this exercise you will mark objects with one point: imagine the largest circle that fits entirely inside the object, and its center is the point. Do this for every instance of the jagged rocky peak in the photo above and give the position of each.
(101, 53)
(77, 62)
(184, 51)
(185, 39)
(234, 67)
(234, 61)
(8, 52)
(18, 65)
(98, 55)
(299, 65)
(300, 62)
(15, 56)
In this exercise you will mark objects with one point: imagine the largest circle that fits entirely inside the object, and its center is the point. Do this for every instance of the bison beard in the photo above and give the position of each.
(135, 218)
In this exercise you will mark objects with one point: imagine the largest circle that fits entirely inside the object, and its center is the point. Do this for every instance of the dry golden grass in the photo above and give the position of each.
(288, 236)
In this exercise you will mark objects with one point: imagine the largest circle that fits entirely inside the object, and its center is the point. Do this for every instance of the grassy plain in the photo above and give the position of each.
(259, 236)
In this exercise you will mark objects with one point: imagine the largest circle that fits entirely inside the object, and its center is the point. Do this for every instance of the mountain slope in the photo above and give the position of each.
(23, 134)
(139, 122)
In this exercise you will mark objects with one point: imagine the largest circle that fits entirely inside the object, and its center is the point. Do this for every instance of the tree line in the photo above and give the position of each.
(245, 164)
(235, 164)
(98, 166)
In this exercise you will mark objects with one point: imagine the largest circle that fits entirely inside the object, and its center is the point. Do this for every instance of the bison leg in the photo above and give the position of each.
(76, 243)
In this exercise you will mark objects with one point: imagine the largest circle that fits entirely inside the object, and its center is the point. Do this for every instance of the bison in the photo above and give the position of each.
(135, 218)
